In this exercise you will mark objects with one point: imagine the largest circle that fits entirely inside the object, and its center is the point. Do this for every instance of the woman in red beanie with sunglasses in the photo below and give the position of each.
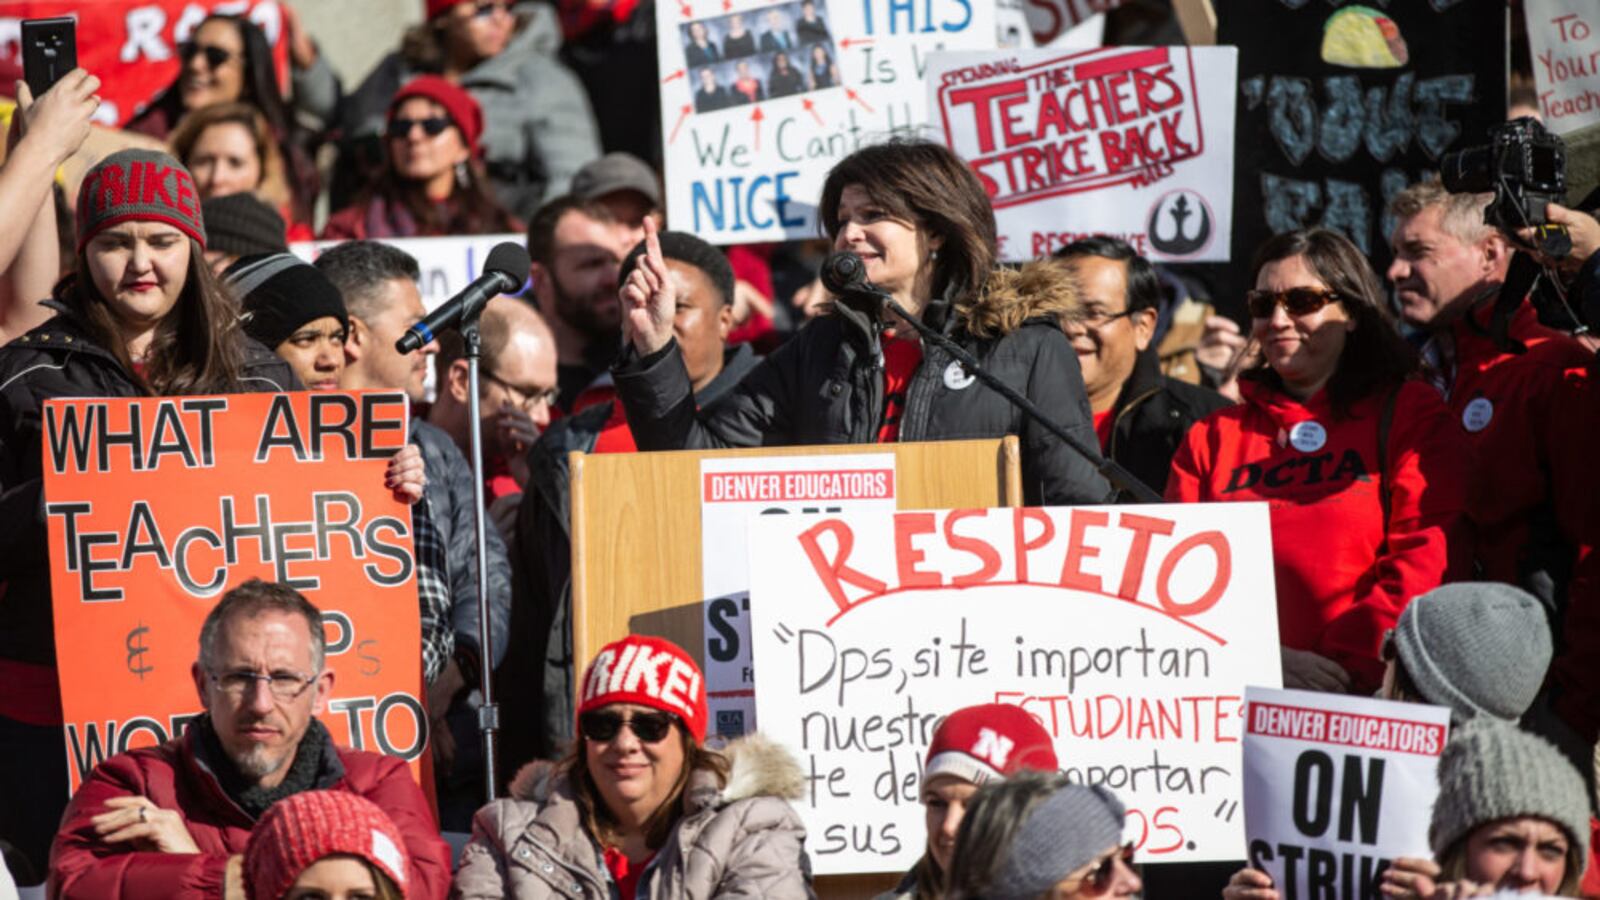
(433, 181)
(641, 808)
(1362, 466)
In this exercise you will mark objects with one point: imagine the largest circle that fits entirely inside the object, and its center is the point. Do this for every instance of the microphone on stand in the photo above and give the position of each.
(844, 274)
(503, 272)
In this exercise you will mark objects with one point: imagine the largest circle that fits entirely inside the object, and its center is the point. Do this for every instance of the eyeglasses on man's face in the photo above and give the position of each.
(240, 683)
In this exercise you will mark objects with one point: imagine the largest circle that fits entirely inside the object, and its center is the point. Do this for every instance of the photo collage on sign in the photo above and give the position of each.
(761, 54)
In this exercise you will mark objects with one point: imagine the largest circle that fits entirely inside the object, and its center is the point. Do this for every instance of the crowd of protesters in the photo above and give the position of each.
(1424, 448)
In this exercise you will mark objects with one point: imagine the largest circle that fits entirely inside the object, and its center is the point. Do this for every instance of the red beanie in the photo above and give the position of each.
(989, 742)
(138, 185)
(651, 672)
(462, 109)
(302, 828)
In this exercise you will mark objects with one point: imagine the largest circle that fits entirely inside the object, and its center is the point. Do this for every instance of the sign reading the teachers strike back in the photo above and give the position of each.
(156, 507)
(1128, 141)
(1128, 632)
(760, 99)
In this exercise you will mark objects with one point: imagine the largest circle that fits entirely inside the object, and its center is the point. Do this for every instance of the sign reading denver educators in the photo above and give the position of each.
(1337, 787)
(1126, 141)
(1128, 632)
(157, 506)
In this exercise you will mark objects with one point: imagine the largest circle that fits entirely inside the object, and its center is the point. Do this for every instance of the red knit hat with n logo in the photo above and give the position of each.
(989, 742)
(139, 185)
(649, 671)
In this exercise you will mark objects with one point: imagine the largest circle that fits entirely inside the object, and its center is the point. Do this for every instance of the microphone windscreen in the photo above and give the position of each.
(842, 271)
(510, 258)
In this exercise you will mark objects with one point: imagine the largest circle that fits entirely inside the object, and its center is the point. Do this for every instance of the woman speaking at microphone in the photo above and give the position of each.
(921, 223)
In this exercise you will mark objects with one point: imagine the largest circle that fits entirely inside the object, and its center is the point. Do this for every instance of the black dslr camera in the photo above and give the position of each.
(1525, 167)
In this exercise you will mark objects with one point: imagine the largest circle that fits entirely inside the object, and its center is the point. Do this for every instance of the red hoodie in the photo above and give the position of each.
(1338, 589)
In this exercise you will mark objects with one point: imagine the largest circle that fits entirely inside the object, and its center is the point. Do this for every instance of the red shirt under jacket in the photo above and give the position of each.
(1339, 588)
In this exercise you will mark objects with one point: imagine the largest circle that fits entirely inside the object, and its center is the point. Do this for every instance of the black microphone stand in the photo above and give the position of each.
(1108, 468)
(489, 712)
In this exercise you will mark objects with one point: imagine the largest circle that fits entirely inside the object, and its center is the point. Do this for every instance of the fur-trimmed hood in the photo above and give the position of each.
(1012, 296)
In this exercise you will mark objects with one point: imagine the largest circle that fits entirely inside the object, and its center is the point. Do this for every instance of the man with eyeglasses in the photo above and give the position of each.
(1140, 415)
(172, 821)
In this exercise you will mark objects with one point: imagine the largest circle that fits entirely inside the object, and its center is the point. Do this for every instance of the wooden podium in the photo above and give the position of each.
(636, 541)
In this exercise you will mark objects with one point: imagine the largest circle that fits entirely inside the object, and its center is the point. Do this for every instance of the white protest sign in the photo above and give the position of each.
(732, 491)
(448, 264)
(1128, 632)
(1135, 142)
(1336, 787)
(760, 99)
(1050, 20)
(1565, 42)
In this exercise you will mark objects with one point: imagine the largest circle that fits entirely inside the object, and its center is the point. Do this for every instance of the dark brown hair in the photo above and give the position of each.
(1375, 357)
(928, 186)
(597, 818)
(542, 227)
(197, 349)
(273, 188)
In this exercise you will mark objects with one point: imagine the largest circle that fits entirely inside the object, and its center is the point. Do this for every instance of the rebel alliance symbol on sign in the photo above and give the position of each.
(1169, 227)
(994, 747)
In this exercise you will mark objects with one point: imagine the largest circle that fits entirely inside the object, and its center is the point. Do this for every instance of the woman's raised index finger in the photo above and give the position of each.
(652, 244)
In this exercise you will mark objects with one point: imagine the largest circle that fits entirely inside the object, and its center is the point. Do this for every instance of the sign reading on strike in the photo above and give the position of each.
(1337, 787)
(1129, 141)
(1129, 633)
(156, 507)
(1566, 61)
(733, 489)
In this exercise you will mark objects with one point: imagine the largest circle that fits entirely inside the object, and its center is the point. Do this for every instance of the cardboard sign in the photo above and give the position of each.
(1128, 141)
(132, 45)
(156, 507)
(733, 490)
(1128, 632)
(1566, 61)
(760, 99)
(1341, 109)
(1336, 787)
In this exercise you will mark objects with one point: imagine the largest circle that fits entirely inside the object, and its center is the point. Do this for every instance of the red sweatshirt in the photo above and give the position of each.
(1338, 589)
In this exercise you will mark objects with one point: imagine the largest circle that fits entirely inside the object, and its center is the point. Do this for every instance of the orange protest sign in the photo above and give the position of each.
(157, 506)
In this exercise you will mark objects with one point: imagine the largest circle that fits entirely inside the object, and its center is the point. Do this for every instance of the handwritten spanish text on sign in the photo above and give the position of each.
(1564, 36)
(156, 507)
(733, 491)
(1126, 141)
(1128, 632)
(1336, 787)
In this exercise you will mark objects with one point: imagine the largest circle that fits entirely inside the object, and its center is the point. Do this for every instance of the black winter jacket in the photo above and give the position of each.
(825, 386)
(58, 359)
(1152, 415)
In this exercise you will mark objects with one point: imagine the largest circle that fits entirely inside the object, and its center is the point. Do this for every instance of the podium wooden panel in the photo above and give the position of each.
(636, 541)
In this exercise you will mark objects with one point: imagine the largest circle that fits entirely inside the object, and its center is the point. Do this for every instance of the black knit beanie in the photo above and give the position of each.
(243, 225)
(280, 293)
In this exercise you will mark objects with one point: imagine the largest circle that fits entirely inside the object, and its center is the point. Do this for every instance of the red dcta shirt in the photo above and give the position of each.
(1102, 427)
(1339, 586)
(624, 873)
(900, 361)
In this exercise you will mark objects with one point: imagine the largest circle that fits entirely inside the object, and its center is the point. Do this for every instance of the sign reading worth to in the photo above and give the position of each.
(734, 489)
(1128, 632)
(759, 100)
(1336, 787)
(156, 507)
(1127, 141)
(1566, 61)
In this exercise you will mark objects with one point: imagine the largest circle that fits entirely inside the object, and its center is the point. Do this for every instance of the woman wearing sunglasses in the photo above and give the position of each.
(1363, 468)
(432, 182)
(640, 808)
(1036, 837)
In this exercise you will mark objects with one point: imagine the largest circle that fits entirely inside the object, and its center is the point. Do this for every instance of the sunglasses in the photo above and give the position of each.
(1099, 879)
(216, 56)
(600, 726)
(433, 126)
(1297, 301)
(489, 7)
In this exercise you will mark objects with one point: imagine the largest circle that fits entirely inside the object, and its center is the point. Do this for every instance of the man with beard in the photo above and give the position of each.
(577, 247)
(173, 820)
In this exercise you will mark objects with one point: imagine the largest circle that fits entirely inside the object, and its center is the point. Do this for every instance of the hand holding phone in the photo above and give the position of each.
(49, 52)
(60, 119)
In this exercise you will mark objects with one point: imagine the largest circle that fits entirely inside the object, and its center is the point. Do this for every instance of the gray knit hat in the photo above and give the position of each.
(1480, 648)
(1062, 834)
(1492, 770)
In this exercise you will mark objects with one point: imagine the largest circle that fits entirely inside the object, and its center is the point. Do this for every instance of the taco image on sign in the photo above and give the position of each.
(1363, 38)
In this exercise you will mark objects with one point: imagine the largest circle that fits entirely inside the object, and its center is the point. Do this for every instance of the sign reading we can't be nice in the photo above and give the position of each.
(158, 506)
(1129, 633)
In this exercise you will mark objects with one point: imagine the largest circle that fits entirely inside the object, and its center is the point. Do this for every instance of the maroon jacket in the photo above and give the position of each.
(171, 776)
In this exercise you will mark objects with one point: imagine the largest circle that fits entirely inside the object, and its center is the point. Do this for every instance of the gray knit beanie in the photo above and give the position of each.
(1062, 834)
(1492, 770)
(1480, 648)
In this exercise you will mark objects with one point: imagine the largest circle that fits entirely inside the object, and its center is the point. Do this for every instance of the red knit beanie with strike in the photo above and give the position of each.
(458, 104)
(138, 185)
(435, 8)
(649, 671)
(303, 828)
(987, 743)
